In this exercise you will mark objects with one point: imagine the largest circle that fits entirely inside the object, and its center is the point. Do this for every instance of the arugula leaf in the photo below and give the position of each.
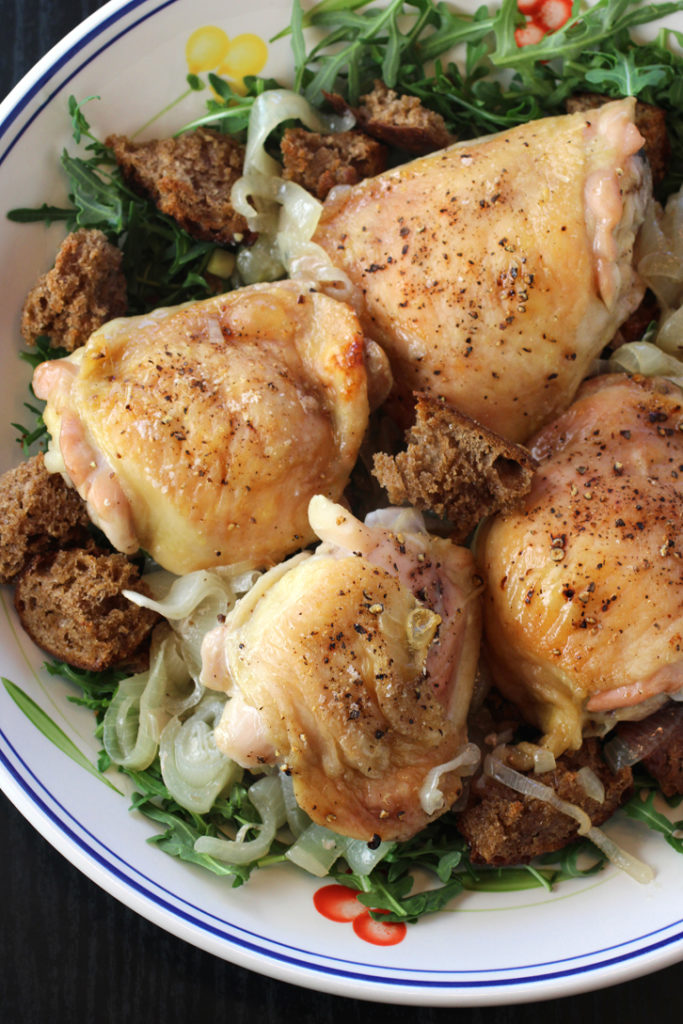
(162, 263)
(229, 111)
(179, 838)
(626, 76)
(43, 214)
(54, 733)
(97, 688)
(409, 908)
(645, 810)
(497, 84)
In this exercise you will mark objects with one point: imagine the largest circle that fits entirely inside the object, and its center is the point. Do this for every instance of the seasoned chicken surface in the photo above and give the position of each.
(584, 584)
(352, 669)
(494, 271)
(200, 433)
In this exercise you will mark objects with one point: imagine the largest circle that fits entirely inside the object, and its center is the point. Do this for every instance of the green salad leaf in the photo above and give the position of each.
(494, 84)
(642, 808)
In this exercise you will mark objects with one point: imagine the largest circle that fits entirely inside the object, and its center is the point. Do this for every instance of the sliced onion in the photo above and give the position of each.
(261, 261)
(297, 820)
(592, 784)
(634, 741)
(253, 193)
(181, 594)
(143, 704)
(194, 771)
(530, 755)
(362, 858)
(127, 740)
(266, 796)
(192, 603)
(646, 358)
(670, 333)
(533, 788)
(282, 213)
(317, 849)
(619, 857)
(431, 797)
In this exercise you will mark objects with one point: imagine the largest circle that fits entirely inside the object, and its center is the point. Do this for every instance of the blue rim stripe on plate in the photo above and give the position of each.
(106, 862)
(289, 958)
(62, 61)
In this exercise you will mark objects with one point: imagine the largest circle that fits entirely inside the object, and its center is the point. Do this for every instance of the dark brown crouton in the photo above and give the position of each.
(454, 467)
(70, 603)
(665, 765)
(400, 121)
(84, 290)
(319, 162)
(650, 121)
(503, 827)
(189, 178)
(662, 735)
(635, 326)
(38, 510)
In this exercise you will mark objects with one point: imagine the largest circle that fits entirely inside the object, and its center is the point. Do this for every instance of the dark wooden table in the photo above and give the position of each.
(71, 953)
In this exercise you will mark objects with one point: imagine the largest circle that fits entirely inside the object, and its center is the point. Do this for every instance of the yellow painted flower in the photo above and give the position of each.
(206, 48)
(210, 49)
(246, 55)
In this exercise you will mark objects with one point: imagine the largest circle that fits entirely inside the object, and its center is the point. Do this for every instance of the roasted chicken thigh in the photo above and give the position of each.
(494, 271)
(584, 583)
(200, 433)
(352, 669)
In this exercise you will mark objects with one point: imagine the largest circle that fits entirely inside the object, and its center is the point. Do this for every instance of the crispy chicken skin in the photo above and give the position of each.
(584, 595)
(494, 271)
(200, 432)
(352, 669)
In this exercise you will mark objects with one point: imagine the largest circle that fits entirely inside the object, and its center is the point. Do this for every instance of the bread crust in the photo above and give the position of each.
(503, 827)
(85, 288)
(455, 467)
(189, 178)
(397, 120)
(319, 162)
(38, 511)
(70, 602)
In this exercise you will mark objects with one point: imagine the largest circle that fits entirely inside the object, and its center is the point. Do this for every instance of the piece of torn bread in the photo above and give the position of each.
(454, 467)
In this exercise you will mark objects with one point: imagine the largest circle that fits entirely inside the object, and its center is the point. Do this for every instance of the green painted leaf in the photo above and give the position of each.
(52, 731)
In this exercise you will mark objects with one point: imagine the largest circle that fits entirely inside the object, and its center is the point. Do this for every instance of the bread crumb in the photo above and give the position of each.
(85, 288)
(70, 603)
(38, 510)
(189, 178)
(455, 467)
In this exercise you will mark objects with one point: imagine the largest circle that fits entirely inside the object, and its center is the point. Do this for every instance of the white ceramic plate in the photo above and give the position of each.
(486, 948)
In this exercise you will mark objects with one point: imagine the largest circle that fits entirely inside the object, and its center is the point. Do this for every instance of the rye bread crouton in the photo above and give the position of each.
(189, 178)
(455, 467)
(398, 120)
(70, 603)
(660, 738)
(504, 827)
(650, 122)
(38, 510)
(635, 326)
(84, 290)
(319, 162)
(665, 764)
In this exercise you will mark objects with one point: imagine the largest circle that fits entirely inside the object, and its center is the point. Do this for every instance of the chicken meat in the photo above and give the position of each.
(200, 432)
(494, 271)
(352, 669)
(583, 611)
